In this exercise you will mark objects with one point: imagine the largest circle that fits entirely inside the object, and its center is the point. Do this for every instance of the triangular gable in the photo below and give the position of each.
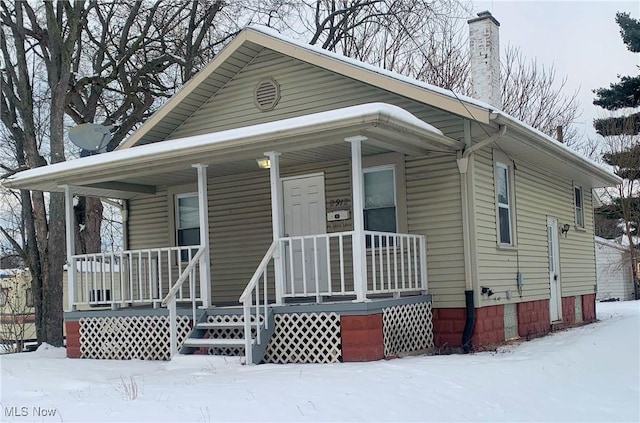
(251, 42)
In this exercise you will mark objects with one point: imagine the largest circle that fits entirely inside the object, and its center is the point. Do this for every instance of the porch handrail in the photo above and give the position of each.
(170, 299)
(246, 299)
(183, 276)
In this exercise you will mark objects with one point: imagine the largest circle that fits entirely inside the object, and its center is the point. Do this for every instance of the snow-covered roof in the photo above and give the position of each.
(521, 141)
(428, 94)
(375, 116)
(612, 243)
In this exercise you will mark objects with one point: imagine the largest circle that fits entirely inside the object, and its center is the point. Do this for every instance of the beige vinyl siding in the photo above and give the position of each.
(239, 222)
(148, 219)
(305, 89)
(434, 210)
(538, 194)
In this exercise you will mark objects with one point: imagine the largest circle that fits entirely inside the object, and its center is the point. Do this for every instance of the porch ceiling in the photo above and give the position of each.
(318, 137)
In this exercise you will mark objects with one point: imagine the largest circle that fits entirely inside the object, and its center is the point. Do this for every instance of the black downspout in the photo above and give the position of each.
(470, 322)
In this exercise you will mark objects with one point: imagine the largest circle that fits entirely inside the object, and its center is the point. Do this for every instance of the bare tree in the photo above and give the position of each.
(427, 40)
(532, 93)
(110, 63)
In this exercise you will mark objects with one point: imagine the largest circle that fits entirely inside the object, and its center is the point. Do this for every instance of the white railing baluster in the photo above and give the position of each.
(381, 261)
(291, 274)
(372, 240)
(423, 264)
(304, 267)
(388, 261)
(409, 266)
(159, 282)
(341, 248)
(130, 260)
(315, 269)
(265, 301)
(139, 274)
(327, 245)
(415, 263)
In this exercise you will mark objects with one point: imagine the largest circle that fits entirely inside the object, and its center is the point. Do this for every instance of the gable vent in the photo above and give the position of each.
(267, 94)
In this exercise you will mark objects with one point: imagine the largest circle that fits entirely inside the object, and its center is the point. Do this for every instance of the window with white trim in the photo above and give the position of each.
(504, 204)
(187, 220)
(578, 205)
(380, 199)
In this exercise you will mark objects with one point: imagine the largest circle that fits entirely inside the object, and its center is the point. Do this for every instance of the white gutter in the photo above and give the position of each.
(240, 138)
(551, 146)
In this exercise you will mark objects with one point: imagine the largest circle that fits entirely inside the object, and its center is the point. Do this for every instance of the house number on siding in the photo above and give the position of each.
(339, 204)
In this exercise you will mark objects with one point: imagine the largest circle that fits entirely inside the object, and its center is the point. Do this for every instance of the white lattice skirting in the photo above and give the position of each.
(131, 337)
(407, 328)
(305, 338)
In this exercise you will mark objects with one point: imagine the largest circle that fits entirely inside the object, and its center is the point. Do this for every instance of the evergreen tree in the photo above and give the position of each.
(626, 92)
(621, 135)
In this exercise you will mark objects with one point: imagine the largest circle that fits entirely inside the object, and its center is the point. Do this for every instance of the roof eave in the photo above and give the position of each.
(553, 147)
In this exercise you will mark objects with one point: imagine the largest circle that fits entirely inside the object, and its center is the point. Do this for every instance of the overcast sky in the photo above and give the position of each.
(581, 38)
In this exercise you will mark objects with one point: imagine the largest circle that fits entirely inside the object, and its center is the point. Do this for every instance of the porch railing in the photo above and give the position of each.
(131, 277)
(254, 300)
(170, 300)
(397, 262)
(322, 266)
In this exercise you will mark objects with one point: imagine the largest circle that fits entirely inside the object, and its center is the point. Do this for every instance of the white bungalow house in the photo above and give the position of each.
(331, 210)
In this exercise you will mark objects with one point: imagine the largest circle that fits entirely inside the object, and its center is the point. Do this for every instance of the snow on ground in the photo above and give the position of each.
(591, 373)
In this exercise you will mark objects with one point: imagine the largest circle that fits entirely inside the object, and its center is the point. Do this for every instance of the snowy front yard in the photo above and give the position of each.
(590, 373)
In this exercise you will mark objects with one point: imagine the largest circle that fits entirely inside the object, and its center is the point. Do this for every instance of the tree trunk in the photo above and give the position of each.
(88, 214)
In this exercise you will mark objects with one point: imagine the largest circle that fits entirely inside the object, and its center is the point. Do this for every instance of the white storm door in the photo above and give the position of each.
(555, 301)
(305, 214)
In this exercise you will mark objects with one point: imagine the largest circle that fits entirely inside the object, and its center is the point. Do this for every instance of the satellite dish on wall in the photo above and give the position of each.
(91, 138)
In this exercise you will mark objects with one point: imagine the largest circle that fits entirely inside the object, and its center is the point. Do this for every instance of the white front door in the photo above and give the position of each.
(305, 214)
(555, 301)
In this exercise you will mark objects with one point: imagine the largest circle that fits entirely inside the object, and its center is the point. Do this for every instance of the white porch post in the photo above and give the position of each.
(71, 246)
(277, 221)
(205, 266)
(359, 245)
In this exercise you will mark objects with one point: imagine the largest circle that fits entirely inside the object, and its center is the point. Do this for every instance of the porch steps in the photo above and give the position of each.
(226, 337)
(212, 343)
(219, 325)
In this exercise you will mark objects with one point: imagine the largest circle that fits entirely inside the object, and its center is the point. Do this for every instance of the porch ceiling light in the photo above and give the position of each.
(264, 163)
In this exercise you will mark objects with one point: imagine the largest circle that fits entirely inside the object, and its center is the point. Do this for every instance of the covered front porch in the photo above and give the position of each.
(305, 264)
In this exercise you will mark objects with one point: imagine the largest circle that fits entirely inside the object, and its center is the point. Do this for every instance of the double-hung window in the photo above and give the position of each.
(504, 204)
(380, 200)
(578, 203)
(187, 221)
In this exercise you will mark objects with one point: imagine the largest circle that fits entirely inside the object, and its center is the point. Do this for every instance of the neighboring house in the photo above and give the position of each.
(613, 266)
(390, 217)
(17, 315)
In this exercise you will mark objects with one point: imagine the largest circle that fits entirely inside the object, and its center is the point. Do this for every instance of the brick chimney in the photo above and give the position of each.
(484, 45)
